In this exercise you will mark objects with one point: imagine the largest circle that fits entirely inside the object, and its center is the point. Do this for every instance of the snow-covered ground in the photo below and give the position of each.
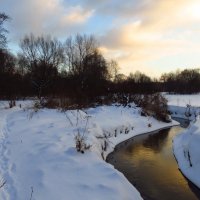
(39, 159)
(177, 104)
(187, 151)
(181, 100)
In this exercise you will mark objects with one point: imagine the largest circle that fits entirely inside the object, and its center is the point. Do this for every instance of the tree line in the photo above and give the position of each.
(76, 69)
(183, 82)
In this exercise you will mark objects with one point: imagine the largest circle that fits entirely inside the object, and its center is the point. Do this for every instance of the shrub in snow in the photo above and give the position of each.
(188, 111)
(35, 108)
(155, 105)
(81, 145)
(126, 130)
(12, 103)
(104, 147)
(37, 105)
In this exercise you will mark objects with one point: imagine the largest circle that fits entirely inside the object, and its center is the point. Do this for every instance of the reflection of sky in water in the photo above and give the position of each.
(148, 162)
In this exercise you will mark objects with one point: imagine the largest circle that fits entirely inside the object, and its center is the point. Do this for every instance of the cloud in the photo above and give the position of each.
(137, 33)
(44, 17)
(77, 15)
(160, 29)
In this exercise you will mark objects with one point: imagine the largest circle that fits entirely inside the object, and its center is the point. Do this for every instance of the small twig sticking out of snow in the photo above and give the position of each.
(77, 118)
(189, 159)
(105, 145)
(80, 140)
(2, 183)
(69, 119)
(115, 132)
(31, 193)
(102, 155)
(86, 124)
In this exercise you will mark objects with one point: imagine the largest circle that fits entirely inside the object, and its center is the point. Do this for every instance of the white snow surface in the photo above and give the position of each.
(39, 160)
(177, 104)
(181, 100)
(187, 151)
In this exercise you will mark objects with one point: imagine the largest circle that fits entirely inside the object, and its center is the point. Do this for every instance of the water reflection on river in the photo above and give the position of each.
(148, 163)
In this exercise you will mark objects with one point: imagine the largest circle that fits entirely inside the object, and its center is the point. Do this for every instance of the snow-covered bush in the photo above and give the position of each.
(36, 106)
(81, 145)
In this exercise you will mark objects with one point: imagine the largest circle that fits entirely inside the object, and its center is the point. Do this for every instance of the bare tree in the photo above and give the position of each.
(41, 49)
(113, 68)
(3, 31)
(22, 64)
(7, 62)
(77, 49)
(140, 77)
(42, 56)
(87, 68)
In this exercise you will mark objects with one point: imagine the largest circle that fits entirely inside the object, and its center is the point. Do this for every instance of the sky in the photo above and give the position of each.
(151, 36)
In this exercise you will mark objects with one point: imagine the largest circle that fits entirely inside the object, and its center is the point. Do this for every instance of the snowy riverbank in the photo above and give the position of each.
(187, 151)
(178, 105)
(38, 155)
(186, 144)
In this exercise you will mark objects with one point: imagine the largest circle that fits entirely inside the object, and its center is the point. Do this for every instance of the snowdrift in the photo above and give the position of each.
(187, 151)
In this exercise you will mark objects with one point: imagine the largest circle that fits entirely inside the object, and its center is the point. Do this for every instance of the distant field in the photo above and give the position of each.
(183, 100)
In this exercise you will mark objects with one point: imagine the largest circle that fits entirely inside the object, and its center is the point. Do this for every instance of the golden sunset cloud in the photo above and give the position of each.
(162, 29)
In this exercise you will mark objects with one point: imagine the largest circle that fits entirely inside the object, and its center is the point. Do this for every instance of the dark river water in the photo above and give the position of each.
(148, 163)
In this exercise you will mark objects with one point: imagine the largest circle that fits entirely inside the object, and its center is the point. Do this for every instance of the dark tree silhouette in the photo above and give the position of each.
(7, 62)
(3, 31)
(76, 50)
(94, 74)
(41, 56)
(186, 81)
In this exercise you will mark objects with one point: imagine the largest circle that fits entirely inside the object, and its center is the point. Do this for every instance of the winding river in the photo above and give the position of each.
(148, 163)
